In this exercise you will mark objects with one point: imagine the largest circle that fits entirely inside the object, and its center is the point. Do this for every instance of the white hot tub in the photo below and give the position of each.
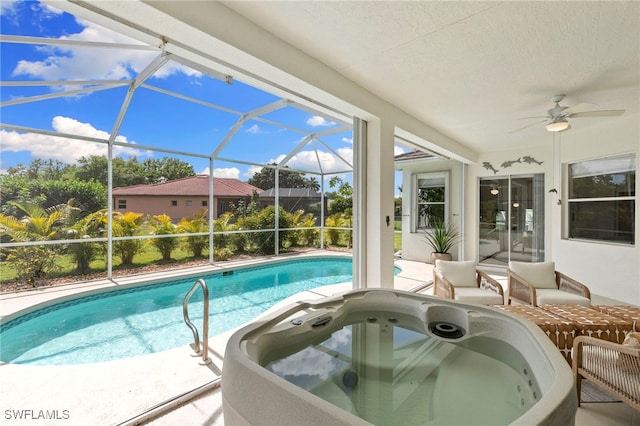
(392, 357)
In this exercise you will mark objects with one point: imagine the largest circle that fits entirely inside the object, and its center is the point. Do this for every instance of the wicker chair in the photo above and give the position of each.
(611, 366)
(461, 281)
(540, 284)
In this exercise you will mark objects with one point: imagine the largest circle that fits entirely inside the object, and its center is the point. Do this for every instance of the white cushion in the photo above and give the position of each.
(540, 274)
(547, 296)
(458, 273)
(478, 296)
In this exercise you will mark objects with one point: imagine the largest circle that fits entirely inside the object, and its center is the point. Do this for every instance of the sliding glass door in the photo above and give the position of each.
(511, 219)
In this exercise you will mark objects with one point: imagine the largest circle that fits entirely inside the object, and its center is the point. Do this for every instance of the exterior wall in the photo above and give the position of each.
(608, 269)
(156, 205)
(414, 246)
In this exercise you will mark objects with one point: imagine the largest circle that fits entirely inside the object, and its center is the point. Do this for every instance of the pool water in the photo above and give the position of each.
(147, 319)
(410, 377)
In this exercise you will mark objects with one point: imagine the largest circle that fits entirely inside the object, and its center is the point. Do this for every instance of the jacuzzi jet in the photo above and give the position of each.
(350, 379)
(321, 322)
(446, 330)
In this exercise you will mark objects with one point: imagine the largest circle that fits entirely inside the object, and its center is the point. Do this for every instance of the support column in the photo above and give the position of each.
(375, 186)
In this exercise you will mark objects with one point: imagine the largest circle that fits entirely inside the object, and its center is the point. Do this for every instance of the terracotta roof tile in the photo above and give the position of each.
(193, 185)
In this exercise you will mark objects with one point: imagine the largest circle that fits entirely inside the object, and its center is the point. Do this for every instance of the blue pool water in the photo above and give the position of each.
(143, 320)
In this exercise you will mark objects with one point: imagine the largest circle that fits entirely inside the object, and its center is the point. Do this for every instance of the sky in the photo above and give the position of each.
(153, 118)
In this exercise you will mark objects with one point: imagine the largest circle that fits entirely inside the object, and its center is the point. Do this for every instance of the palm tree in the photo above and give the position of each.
(91, 226)
(195, 224)
(38, 224)
(127, 225)
(162, 225)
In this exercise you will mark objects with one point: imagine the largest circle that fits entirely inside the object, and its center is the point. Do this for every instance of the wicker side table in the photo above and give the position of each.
(591, 322)
(627, 313)
(560, 330)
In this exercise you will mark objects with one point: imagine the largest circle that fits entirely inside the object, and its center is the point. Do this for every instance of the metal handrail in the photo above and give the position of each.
(205, 320)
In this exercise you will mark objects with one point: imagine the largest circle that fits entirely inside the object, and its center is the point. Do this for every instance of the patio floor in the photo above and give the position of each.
(115, 392)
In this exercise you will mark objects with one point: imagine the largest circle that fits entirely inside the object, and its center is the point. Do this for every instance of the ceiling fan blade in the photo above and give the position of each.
(577, 108)
(602, 113)
(535, 116)
(527, 126)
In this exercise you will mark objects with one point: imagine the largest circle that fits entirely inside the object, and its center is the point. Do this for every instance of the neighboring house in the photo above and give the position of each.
(294, 199)
(182, 197)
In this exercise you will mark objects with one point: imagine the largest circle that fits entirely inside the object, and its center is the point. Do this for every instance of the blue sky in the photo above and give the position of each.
(153, 118)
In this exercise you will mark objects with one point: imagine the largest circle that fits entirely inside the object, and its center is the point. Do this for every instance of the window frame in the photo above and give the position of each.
(415, 202)
(122, 203)
(567, 222)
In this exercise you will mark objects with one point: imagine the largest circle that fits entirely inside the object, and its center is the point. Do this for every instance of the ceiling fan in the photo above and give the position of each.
(557, 116)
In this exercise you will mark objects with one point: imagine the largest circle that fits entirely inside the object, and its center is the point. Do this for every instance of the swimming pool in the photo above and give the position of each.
(146, 319)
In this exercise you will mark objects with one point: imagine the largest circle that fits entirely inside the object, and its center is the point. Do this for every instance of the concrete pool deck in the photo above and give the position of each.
(116, 392)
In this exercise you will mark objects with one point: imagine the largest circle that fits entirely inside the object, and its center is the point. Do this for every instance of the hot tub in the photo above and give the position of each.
(393, 357)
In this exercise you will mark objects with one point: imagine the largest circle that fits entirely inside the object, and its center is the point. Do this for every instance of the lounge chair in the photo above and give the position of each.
(611, 366)
(460, 280)
(540, 284)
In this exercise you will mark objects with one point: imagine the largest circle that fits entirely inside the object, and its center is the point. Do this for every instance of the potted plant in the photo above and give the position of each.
(441, 237)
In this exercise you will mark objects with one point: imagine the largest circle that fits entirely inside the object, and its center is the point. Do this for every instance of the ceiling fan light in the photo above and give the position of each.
(558, 125)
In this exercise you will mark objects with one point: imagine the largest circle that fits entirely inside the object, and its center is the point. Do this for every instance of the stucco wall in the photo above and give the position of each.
(162, 205)
(414, 246)
(608, 269)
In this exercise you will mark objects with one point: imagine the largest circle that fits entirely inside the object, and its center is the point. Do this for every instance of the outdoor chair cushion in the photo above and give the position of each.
(458, 273)
(478, 295)
(540, 274)
(547, 296)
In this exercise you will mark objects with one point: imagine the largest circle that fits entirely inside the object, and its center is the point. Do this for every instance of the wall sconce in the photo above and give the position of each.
(494, 191)
(555, 191)
(516, 204)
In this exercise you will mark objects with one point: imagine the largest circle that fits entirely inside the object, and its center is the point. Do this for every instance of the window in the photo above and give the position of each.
(431, 197)
(204, 203)
(122, 204)
(602, 199)
(188, 203)
(174, 203)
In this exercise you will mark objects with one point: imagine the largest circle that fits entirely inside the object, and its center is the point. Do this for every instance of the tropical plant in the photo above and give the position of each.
(162, 225)
(262, 242)
(221, 225)
(91, 226)
(338, 220)
(38, 224)
(442, 237)
(193, 225)
(127, 225)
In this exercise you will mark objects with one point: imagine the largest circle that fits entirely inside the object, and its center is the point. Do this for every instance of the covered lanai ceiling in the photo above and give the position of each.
(472, 69)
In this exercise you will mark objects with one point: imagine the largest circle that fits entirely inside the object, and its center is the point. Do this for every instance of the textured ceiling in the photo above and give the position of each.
(472, 69)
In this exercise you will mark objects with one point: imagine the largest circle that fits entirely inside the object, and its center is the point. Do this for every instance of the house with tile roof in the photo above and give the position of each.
(183, 197)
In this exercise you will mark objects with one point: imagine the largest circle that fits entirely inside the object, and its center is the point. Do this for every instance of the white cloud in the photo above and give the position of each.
(7, 7)
(398, 150)
(307, 160)
(227, 172)
(63, 149)
(252, 171)
(255, 129)
(347, 140)
(317, 121)
(86, 63)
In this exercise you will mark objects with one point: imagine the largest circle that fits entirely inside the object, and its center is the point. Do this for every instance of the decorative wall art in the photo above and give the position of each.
(505, 164)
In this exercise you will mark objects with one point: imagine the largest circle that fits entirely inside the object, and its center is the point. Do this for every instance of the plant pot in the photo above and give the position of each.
(441, 256)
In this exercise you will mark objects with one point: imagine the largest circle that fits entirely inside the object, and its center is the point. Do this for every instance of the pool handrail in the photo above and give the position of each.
(204, 351)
